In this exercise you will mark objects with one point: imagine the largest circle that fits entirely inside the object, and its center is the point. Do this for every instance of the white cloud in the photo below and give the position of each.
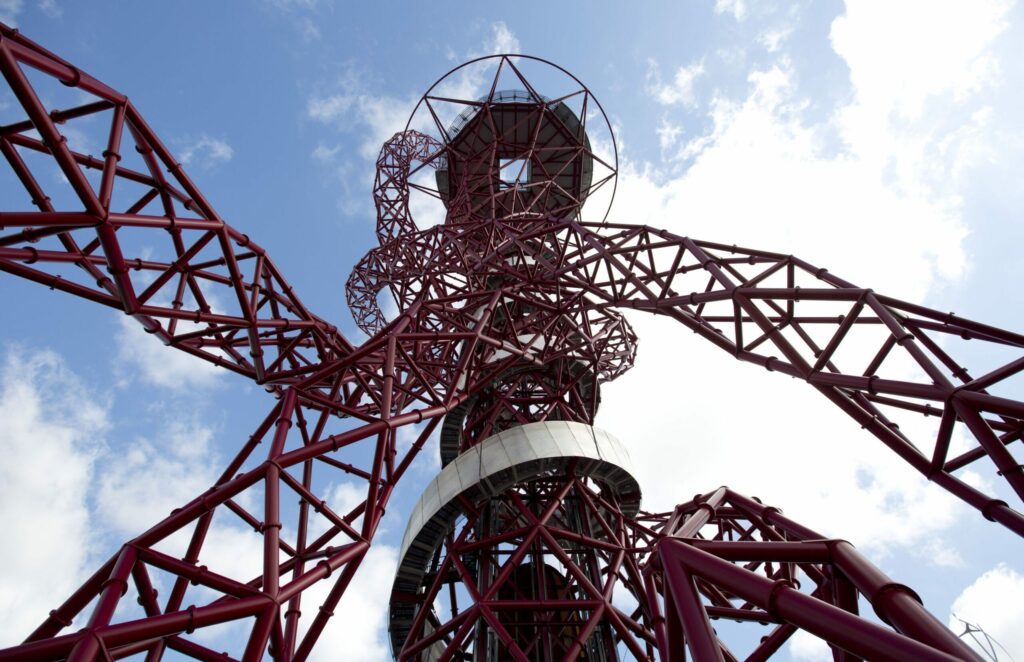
(330, 108)
(668, 134)
(146, 480)
(302, 15)
(50, 430)
(503, 40)
(359, 625)
(918, 50)
(805, 646)
(993, 603)
(377, 117)
(919, 73)
(793, 192)
(56, 466)
(680, 90)
(310, 30)
(206, 152)
(765, 177)
(970, 145)
(940, 553)
(738, 8)
(345, 496)
(140, 354)
(294, 5)
(325, 154)
(9, 10)
(51, 8)
(772, 40)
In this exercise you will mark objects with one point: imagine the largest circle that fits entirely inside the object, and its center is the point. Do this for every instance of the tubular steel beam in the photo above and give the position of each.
(698, 560)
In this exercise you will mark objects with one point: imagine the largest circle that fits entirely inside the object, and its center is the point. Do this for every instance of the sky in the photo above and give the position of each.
(880, 140)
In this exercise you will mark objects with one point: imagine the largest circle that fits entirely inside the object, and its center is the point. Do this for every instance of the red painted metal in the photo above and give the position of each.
(653, 585)
(507, 314)
(726, 556)
(544, 589)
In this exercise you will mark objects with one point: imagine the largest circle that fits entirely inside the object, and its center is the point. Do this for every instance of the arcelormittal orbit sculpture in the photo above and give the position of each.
(530, 544)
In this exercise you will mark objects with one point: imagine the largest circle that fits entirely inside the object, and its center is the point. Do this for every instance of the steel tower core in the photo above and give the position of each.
(531, 542)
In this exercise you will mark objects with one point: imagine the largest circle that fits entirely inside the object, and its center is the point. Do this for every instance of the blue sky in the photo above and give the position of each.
(882, 140)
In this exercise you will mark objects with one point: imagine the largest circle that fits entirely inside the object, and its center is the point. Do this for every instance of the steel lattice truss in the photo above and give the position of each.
(779, 312)
(720, 557)
(508, 314)
(726, 556)
(532, 525)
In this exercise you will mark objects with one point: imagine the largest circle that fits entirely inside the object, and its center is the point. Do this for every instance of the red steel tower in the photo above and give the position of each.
(531, 543)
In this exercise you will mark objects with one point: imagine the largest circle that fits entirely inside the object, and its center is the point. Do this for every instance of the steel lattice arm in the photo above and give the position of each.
(725, 555)
(410, 375)
(770, 309)
(212, 292)
(784, 314)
